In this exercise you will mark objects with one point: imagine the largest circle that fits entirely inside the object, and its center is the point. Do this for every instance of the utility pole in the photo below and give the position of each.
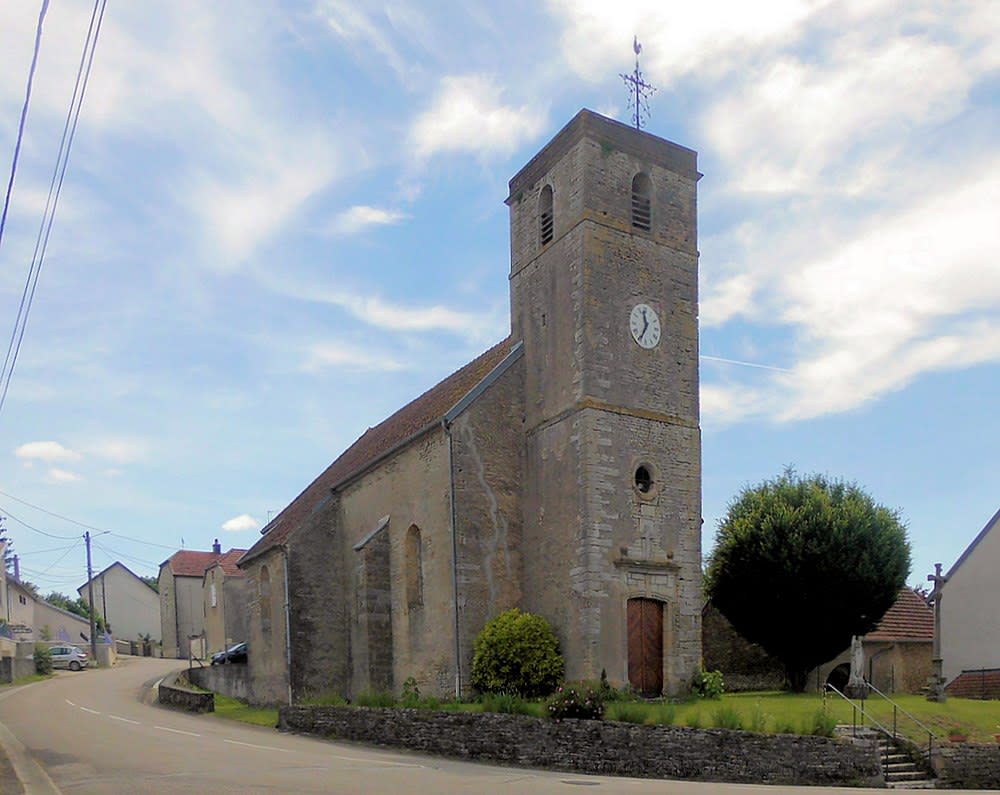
(90, 598)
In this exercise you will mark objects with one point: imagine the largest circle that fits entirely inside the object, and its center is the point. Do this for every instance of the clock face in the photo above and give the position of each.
(645, 325)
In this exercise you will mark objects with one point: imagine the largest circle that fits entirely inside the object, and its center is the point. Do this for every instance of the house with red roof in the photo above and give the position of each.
(970, 619)
(182, 611)
(898, 653)
(558, 472)
(224, 602)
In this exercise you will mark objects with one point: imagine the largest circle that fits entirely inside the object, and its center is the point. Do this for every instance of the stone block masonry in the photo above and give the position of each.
(597, 747)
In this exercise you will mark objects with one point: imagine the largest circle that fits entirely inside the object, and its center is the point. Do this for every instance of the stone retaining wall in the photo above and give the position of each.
(176, 695)
(968, 766)
(230, 680)
(598, 747)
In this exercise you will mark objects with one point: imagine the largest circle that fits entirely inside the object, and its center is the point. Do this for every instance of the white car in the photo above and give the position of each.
(68, 657)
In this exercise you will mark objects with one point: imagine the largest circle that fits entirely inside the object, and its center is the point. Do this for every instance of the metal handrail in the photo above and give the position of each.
(930, 732)
(864, 714)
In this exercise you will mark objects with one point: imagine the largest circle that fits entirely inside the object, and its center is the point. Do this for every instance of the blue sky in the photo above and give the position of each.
(281, 222)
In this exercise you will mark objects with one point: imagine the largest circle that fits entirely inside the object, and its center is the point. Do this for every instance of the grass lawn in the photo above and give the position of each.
(780, 711)
(27, 680)
(234, 709)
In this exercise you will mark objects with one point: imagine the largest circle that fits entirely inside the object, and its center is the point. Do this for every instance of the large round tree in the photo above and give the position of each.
(801, 564)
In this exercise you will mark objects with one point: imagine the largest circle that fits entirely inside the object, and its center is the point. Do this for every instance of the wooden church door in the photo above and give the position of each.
(645, 646)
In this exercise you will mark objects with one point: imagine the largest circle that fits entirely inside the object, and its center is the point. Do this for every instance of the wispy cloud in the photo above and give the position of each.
(47, 452)
(240, 524)
(333, 355)
(64, 475)
(467, 115)
(362, 216)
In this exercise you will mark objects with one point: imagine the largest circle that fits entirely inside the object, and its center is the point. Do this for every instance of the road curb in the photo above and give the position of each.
(32, 777)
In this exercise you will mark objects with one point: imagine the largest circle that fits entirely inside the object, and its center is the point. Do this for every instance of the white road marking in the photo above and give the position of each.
(125, 720)
(176, 731)
(70, 703)
(91, 711)
(375, 761)
(261, 747)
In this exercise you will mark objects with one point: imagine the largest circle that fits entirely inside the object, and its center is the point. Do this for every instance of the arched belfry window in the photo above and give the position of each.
(642, 191)
(414, 568)
(545, 220)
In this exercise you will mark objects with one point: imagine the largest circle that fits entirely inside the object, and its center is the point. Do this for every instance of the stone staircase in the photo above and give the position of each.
(899, 768)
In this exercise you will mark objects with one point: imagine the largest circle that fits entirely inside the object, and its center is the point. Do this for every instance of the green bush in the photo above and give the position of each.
(707, 684)
(517, 653)
(43, 659)
(569, 702)
(758, 719)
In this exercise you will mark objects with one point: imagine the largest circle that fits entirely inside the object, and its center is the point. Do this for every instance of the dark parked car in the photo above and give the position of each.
(234, 654)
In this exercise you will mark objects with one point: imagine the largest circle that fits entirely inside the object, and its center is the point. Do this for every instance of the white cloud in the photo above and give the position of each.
(119, 451)
(913, 291)
(468, 116)
(241, 523)
(361, 216)
(347, 357)
(46, 451)
(64, 476)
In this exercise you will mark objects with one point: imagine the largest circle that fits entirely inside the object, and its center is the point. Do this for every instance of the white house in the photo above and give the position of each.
(129, 606)
(970, 621)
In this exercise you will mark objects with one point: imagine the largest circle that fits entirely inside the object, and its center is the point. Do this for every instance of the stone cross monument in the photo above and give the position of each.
(935, 682)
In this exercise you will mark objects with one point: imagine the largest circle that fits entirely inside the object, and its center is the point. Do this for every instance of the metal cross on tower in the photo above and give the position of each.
(639, 91)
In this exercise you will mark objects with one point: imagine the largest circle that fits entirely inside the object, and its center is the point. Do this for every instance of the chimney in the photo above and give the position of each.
(217, 547)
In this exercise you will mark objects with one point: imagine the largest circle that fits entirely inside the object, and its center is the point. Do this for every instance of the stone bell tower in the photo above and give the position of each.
(604, 294)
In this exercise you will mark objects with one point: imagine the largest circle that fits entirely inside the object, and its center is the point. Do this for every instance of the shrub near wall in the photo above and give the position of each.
(597, 747)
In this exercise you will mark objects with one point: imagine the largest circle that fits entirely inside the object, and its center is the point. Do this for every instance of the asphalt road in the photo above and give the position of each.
(91, 732)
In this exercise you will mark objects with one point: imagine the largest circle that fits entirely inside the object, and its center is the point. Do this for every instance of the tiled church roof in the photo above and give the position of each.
(413, 418)
(910, 618)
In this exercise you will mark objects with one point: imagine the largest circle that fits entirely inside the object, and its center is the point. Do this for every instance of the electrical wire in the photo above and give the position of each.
(84, 525)
(113, 555)
(55, 189)
(24, 117)
(9, 515)
(43, 551)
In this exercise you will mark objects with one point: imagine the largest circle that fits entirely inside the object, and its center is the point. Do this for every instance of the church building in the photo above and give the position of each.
(558, 472)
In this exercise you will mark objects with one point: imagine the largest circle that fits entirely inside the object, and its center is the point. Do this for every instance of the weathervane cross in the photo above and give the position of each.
(639, 91)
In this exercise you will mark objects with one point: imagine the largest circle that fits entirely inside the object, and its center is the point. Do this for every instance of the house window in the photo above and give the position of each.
(642, 190)
(211, 592)
(414, 568)
(643, 479)
(545, 219)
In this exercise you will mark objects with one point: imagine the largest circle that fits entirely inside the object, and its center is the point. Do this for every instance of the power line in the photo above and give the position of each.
(140, 541)
(113, 554)
(35, 529)
(50, 513)
(55, 189)
(43, 551)
(24, 116)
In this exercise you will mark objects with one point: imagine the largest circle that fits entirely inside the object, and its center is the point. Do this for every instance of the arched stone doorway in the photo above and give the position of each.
(645, 646)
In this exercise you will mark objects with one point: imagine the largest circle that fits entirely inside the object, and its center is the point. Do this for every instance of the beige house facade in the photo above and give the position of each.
(970, 621)
(182, 602)
(558, 472)
(224, 602)
(130, 607)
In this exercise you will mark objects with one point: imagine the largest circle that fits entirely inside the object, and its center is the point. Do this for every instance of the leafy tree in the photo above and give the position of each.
(152, 582)
(803, 564)
(517, 653)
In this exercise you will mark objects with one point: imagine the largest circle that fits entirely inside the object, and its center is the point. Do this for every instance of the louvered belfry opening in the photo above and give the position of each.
(642, 208)
(545, 214)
